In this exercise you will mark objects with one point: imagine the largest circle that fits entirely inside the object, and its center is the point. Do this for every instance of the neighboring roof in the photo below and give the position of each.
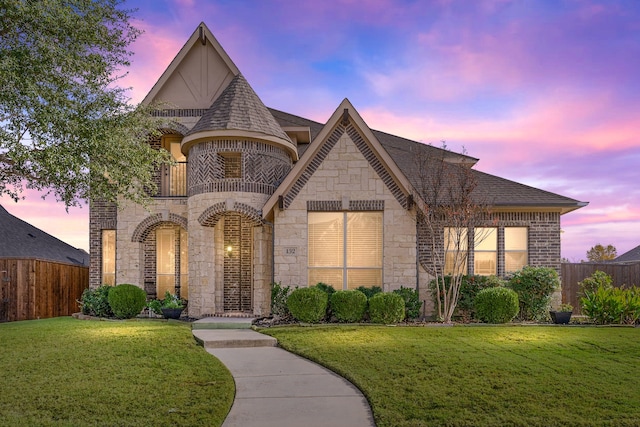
(629, 256)
(22, 240)
(498, 192)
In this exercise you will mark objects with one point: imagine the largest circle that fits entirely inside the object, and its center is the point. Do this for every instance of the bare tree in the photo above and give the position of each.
(451, 206)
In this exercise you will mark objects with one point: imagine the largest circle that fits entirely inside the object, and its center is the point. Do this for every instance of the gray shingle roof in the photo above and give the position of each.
(19, 239)
(629, 256)
(239, 108)
(492, 189)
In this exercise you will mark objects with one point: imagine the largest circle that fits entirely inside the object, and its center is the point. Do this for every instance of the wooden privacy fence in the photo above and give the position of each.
(621, 274)
(37, 289)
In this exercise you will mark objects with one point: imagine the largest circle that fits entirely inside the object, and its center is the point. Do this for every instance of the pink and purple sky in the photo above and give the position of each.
(545, 93)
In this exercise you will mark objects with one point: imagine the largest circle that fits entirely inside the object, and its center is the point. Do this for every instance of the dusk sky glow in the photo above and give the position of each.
(545, 93)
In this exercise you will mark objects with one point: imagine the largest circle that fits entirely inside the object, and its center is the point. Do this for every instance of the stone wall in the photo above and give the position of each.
(345, 176)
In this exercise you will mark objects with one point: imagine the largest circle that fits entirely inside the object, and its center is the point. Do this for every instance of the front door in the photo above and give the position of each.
(238, 237)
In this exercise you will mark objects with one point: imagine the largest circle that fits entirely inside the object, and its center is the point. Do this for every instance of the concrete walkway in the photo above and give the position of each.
(278, 388)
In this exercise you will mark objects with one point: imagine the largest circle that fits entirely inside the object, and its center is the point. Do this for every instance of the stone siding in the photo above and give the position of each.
(345, 176)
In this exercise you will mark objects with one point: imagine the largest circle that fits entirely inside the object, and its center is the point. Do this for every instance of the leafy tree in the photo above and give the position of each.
(65, 125)
(601, 253)
(449, 208)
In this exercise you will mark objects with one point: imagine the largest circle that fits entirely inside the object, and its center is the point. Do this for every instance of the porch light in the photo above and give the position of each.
(229, 250)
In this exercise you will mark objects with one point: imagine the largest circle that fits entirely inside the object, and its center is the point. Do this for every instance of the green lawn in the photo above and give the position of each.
(483, 376)
(67, 372)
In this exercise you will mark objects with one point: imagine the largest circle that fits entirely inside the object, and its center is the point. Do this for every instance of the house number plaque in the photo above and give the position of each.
(290, 251)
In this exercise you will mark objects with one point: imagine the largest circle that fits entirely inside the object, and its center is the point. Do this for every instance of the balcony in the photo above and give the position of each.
(173, 180)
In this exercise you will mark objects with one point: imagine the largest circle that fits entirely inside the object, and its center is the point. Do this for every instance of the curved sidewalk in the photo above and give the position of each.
(278, 388)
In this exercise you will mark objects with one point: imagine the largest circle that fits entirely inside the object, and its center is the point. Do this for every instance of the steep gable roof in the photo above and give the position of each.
(197, 75)
(344, 120)
(22, 240)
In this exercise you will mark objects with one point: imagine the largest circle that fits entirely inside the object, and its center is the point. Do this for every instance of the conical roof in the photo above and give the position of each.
(239, 108)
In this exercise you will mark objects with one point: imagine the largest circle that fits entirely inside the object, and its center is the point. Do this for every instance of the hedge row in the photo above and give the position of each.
(323, 303)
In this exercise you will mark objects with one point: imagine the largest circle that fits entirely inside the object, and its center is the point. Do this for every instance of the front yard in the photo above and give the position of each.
(61, 372)
(67, 372)
(483, 376)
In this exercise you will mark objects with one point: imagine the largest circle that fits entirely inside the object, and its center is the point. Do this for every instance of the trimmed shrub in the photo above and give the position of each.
(308, 304)
(127, 301)
(95, 302)
(279, 295)
(412, 303)
(369, 292)
(599, 279)
(348, 306)
(496, 305)
(330, 291)
(534, 286)
(386, 308)
(612, 305)
(469, 288)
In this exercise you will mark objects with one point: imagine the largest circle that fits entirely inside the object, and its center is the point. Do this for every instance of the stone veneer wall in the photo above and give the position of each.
(346, 175)
(135, 225)
(206, 216)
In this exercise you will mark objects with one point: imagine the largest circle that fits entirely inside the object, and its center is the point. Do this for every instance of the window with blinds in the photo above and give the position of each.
(485, 251)
(345, 249)
(455, 250)
(515, 248)
(109, 257)
(165, 261)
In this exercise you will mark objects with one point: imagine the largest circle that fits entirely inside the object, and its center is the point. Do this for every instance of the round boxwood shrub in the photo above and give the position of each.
(348, 306)
(496, 305)
(308, 304)
(127, 301)
(386, 308)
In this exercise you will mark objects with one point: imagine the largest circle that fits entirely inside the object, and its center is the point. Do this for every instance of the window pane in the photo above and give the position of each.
(514, 261)
(455, 238)
(109, 257)
(330, 276)
(363, 277)
(485, 251)
(455, 243)
(165, 283)
(364, 239)
(326, 239)
(455, 263)
(515, 238)
(484, 263)
(515, 245)
(486, 239)
(165, 261)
